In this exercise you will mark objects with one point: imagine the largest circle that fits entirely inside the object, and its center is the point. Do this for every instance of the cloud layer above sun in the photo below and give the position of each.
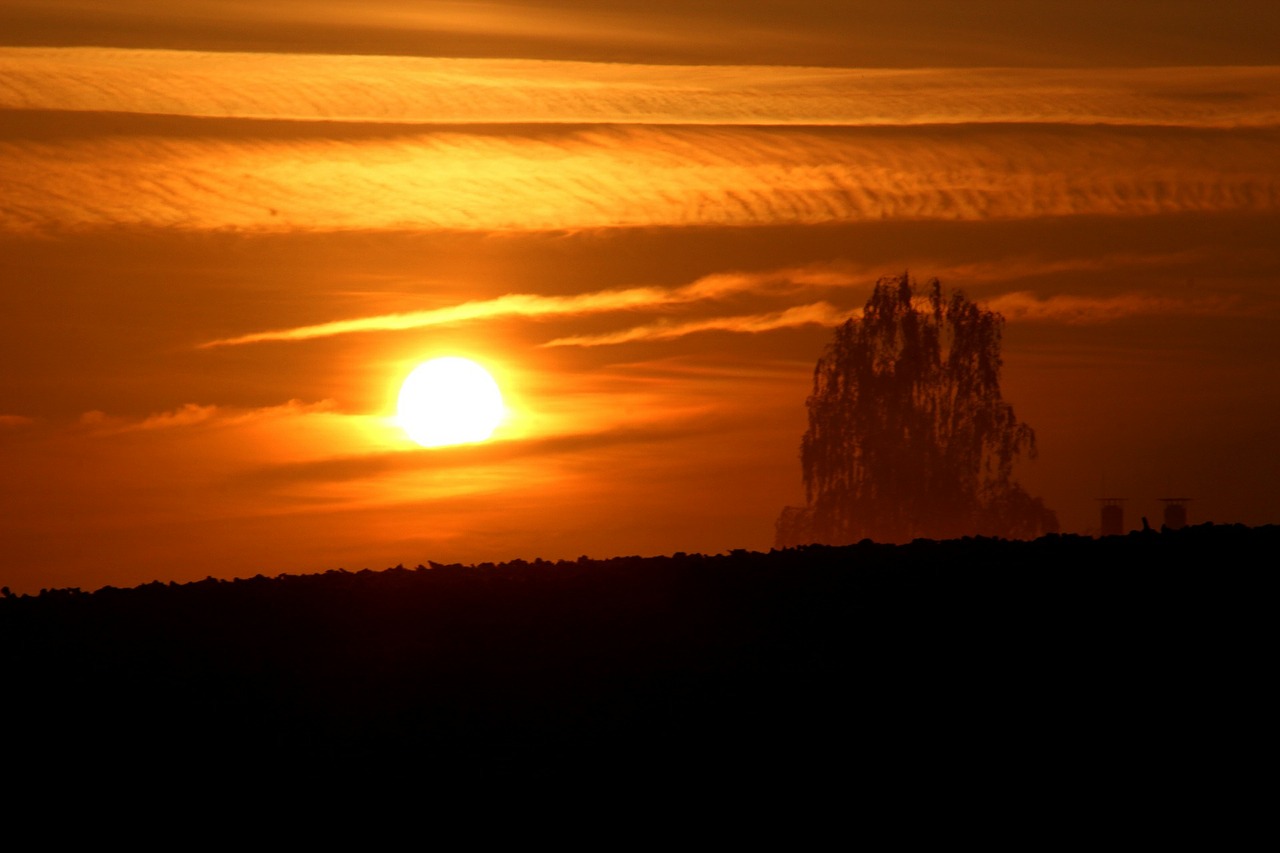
(277, 143)
(412, 90)
(231, 229)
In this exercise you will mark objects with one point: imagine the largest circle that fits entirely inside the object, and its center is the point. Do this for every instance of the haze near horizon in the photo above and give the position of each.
(231, 232)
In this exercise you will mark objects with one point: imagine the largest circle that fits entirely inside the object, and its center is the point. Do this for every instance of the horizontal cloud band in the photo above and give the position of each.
(635, 177)
(450, 91)
(533, 305)
(783, 285)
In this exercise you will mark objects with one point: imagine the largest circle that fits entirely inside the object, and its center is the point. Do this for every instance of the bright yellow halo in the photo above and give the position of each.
(449, 401)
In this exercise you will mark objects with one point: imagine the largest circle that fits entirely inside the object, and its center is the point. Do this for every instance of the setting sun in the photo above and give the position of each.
(449, 401)
(233, 243)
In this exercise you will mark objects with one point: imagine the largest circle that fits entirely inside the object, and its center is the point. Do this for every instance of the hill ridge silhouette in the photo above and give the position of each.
(1060, 649)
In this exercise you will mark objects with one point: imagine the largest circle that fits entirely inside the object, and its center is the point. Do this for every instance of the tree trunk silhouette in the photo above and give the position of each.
(908, 433)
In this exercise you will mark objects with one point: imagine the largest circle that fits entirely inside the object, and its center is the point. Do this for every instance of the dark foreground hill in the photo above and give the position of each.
(1036, 660)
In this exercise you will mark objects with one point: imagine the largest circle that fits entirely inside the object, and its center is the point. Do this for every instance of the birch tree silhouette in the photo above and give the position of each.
(908, 434)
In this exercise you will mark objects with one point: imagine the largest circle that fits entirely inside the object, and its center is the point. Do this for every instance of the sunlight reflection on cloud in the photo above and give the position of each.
(630, 177)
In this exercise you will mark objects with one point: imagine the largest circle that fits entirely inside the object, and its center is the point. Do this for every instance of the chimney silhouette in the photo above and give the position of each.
(1112, 516)
(1175, 512)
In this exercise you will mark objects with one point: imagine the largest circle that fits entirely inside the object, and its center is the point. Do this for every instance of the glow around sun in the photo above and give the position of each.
(449, 401)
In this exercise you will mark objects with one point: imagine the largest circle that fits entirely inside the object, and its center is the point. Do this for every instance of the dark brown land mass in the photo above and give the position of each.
(1032, 660)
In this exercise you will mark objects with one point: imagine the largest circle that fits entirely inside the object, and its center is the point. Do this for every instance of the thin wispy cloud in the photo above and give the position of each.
(201, 415)
(1016, 307)
(510, 305)
(417, 90)
(621, 177)
(818, 313)
(188, 415)
(1007, 269)
(785, 284)
(530, 305)
(1082, 310)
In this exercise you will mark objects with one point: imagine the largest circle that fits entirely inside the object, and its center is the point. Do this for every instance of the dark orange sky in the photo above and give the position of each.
(230, 230)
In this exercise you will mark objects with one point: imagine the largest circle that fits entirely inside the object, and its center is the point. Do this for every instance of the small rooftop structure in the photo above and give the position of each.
(1112, 516)
(1175, 512)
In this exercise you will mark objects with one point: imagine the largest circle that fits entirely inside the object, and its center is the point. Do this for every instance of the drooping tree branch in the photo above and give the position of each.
(908, 434)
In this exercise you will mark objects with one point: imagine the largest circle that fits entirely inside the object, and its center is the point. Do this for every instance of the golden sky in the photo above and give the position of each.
(230, 229)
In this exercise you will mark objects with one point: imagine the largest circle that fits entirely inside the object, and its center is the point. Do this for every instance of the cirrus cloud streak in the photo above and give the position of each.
(530, 305)
(617, 177)
(430, 90)
(782, 284)
(815, 314)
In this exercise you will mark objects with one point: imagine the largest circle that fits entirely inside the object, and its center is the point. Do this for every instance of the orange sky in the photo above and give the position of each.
(229, 229)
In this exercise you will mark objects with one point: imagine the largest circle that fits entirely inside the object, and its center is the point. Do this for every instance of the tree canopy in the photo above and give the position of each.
(908, 433)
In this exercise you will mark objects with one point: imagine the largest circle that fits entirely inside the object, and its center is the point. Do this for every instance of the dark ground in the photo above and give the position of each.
(1143, 658)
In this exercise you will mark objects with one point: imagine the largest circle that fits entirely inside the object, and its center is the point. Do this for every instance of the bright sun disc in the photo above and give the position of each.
(449, 401)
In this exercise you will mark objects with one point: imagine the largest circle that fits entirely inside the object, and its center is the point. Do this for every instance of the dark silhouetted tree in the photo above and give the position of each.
(908, 433)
